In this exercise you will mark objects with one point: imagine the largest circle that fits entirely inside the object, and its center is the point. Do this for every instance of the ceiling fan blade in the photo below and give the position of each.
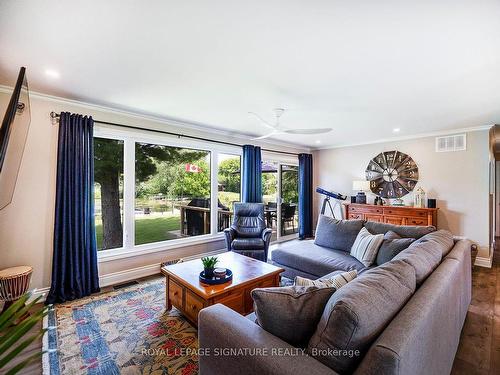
(264, 122)
(307, 131)
(267, 135)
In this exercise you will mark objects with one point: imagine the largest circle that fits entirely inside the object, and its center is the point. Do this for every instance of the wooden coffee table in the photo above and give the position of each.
(185, 291)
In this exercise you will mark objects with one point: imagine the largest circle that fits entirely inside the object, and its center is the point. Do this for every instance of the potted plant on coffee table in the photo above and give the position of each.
(209, 266)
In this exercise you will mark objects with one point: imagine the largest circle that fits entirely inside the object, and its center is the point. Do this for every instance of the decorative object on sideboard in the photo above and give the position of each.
(353, 199)
(431, 203)
(419, 200)
(361, 186)
(392, 174)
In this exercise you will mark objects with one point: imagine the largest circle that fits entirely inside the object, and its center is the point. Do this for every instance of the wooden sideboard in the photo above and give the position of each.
(398, 215)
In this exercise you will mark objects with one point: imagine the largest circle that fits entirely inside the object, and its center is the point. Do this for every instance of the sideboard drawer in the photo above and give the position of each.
(366, 209)
(415, 221)
(355, 216)
(372, 217)
(395, 220)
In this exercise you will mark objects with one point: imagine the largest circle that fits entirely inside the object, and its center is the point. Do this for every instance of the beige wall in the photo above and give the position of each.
(26, 225)
(458, 180)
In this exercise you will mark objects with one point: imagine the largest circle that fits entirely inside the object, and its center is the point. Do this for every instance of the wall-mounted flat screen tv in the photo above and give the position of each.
(13, 134)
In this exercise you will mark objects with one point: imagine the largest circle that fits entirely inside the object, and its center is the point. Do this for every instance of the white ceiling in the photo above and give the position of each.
(360, 67)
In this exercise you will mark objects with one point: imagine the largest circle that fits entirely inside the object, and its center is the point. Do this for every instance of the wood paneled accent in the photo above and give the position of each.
(185, 291)
(392, 214)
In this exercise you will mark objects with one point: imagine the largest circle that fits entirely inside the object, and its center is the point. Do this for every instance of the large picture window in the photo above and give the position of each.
(172, 193)
(153, 193)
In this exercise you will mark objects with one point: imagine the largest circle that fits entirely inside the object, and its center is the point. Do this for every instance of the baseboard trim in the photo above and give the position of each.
(40, 292)
(144, 271)
(131, 274)
(484, 262)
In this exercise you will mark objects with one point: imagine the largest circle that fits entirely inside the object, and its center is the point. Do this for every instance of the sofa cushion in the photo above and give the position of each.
(248, 243)
(336, 281)
(405, 231)
(312, 259)
(424, 257)
(442, 238)
(366, 246)
(356, 314)
(291, 312)
(393, 244)
(337, 234)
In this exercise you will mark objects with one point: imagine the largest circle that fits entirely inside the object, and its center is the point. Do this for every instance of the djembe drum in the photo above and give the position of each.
(14, 282)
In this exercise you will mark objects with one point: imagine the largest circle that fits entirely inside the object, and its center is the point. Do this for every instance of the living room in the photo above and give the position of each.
(351, 152)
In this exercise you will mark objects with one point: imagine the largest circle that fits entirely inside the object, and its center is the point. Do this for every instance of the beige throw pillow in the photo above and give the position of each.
(336, 281)
(366, 246)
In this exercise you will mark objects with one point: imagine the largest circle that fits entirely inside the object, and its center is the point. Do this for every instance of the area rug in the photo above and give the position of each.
(126, 331)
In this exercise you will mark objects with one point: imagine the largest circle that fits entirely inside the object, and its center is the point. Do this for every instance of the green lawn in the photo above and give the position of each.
(149, 230)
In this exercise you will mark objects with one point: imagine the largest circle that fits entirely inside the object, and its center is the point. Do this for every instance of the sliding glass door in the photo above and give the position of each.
(280, 197)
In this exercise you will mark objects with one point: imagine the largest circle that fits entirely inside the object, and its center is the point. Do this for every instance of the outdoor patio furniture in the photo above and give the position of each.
(288, 216)
(195, 217)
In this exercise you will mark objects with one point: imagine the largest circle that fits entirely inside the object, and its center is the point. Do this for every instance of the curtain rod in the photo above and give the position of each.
(54, 115)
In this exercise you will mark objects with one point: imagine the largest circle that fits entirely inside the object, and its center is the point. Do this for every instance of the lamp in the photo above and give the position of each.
(361, 186)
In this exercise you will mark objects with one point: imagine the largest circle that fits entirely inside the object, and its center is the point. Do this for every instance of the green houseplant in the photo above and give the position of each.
(209, 265)
(15, 335)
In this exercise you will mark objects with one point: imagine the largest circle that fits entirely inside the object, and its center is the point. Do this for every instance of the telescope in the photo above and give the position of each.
(330, 194)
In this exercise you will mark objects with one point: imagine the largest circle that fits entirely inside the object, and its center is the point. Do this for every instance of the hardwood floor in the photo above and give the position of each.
(479, 349)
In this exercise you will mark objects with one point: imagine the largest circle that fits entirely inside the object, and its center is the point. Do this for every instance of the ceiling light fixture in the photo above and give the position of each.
(52, 73)
(318, 141)
(396, 130)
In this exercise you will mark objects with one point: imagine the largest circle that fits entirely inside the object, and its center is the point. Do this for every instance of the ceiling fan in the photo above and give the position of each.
(277, 129)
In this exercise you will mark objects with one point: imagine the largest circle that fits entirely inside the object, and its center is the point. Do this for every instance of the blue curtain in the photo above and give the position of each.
(251, 186)
(74, 263)
(305, 195)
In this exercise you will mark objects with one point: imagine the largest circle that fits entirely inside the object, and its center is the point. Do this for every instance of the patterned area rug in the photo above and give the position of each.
(125, 331)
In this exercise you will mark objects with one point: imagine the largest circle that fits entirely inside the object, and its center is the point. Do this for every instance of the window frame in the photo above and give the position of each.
(130, 138)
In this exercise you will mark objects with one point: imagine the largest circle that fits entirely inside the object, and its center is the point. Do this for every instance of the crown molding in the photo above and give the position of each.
(243, 138)
(407, 137)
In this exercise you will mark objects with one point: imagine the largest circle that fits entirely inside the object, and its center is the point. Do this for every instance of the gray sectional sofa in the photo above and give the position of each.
(404, 316)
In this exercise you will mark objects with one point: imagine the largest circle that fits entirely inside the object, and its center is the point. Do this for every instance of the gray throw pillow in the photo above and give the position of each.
(337, 234)
(392, 245)
(405, 231)
(291, 312)
(357, 313)
(337, 281)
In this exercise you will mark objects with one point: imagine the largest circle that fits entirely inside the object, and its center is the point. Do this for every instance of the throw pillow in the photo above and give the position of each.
(356, 315)
(291, 312)
(392, 245)
(405, 231)
(365, 247)
(337, 234)
(336, 281)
